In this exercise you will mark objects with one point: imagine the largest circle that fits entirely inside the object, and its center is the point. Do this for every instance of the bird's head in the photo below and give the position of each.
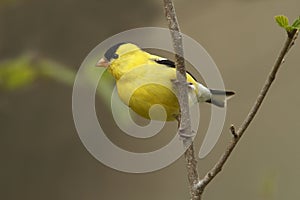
(122, 57)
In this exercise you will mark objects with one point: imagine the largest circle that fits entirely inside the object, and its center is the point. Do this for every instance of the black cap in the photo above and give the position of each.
(111, 52)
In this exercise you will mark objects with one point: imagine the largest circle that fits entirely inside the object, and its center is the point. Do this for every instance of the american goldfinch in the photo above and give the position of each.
(144, 80)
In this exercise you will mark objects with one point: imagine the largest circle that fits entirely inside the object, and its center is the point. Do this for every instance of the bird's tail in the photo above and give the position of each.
(219, 97)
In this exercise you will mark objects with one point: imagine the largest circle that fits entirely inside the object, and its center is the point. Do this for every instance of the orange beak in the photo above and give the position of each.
(103, 62)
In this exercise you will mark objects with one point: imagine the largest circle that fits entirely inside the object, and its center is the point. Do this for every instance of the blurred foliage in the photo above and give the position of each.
(56, 71)
(24, 70)
(18, 73)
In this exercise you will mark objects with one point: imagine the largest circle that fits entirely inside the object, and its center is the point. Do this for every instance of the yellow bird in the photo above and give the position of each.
(144, 80)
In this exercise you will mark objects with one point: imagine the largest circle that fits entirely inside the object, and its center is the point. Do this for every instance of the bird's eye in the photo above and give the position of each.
(115, 56)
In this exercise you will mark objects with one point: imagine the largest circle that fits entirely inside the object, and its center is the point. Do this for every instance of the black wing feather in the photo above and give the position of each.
(170, 63)
(167, 62)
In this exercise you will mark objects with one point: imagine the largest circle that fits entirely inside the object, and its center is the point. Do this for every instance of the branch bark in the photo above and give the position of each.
(185, 130)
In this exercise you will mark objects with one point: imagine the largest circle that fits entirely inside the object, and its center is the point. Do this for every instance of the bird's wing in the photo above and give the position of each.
(170, 63)
(193, 89)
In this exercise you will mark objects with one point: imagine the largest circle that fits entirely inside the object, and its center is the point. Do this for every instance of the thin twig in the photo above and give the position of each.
(185, 129)
(237, 135)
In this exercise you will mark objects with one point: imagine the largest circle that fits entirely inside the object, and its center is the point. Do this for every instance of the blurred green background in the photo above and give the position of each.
(42, 44)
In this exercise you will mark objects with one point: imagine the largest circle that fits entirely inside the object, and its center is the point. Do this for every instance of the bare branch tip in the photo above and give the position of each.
(233, 132)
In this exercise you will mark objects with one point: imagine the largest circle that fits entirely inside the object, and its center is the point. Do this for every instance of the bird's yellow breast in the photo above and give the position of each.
(148, 85)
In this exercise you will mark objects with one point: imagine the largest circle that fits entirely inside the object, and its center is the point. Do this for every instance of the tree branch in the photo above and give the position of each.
(185, 129)
(197, 187)
(237, 135)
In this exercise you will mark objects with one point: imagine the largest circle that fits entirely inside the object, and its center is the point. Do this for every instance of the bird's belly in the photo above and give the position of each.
(148, 96)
